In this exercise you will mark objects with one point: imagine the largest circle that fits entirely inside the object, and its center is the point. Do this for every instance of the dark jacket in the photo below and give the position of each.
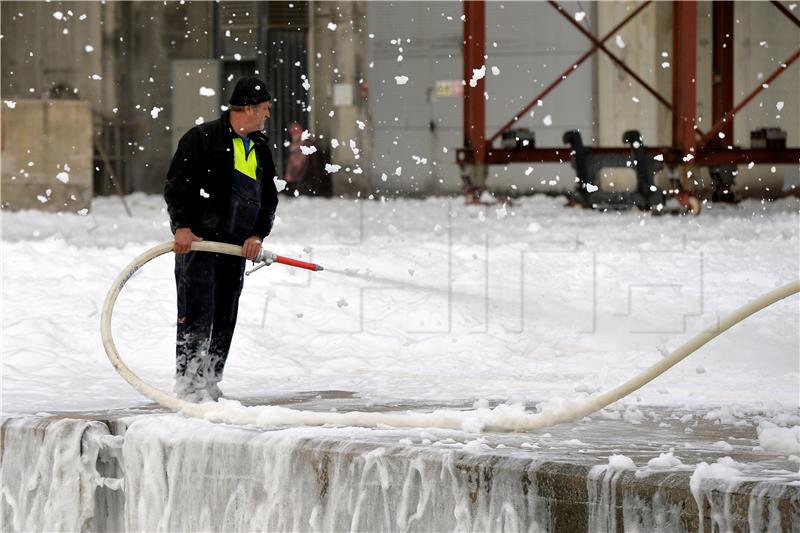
(200, 179)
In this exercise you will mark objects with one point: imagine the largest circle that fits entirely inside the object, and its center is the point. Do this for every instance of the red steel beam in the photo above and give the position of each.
(717, 157)
(567, 72)
(730, 114)
(684, 96)
(560, 155)
(722, 68)
(500, 156)
(669, 156)
(473, 57)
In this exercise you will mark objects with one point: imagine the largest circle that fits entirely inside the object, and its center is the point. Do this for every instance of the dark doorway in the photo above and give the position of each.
(286, 68)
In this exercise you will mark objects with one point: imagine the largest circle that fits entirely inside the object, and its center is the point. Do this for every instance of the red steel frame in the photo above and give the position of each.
(722, 67)
(708, 150)
(474, 50)
(684, 74)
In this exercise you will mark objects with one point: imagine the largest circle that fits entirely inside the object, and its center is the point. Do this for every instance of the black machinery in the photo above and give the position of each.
(587, 163)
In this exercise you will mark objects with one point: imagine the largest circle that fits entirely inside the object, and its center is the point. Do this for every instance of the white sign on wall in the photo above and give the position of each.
(342, 95)
(449, 88)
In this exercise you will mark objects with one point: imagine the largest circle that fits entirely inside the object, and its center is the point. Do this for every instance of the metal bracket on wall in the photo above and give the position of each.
(111, 172)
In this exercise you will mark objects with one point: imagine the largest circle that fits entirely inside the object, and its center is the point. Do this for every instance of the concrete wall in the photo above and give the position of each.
(188, 105)
(60, 43)
(47, 155)
(152, 35)
(175, 474)
(115, 56)
(338, 66)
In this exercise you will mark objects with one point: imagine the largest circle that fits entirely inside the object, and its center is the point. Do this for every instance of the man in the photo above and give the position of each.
(219, 187)
(296, 162)
(305, 174)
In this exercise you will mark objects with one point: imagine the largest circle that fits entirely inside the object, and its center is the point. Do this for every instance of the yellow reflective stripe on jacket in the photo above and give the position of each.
(244, 164)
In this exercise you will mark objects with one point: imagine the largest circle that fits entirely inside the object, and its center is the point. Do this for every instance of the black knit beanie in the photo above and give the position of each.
(249, 91)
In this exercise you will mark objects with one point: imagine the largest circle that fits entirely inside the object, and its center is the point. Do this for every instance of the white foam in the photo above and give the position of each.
(431, 339)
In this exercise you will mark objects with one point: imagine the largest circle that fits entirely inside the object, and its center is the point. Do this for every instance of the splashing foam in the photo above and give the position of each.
(501, 418)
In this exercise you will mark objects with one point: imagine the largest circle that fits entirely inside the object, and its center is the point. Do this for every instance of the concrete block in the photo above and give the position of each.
(47, 155)
(140, 469)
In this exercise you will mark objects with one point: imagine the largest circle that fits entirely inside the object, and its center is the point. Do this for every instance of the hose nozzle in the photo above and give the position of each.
(266, 258)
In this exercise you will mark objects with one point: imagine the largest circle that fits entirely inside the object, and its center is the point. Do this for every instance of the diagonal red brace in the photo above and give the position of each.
(786, 12)
(611, 56)
(568, 71)
(730, 114)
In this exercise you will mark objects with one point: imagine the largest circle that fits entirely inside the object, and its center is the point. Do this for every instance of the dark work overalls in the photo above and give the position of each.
(209, 284)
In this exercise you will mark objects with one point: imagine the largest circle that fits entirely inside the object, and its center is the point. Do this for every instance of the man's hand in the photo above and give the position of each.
(183, 240)
(251, 247)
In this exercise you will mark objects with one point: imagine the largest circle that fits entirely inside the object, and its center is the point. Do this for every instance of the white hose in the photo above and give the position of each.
(502, 418)
(607, 398)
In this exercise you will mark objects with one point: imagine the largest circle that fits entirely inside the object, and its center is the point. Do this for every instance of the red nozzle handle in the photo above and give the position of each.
(297, 263)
